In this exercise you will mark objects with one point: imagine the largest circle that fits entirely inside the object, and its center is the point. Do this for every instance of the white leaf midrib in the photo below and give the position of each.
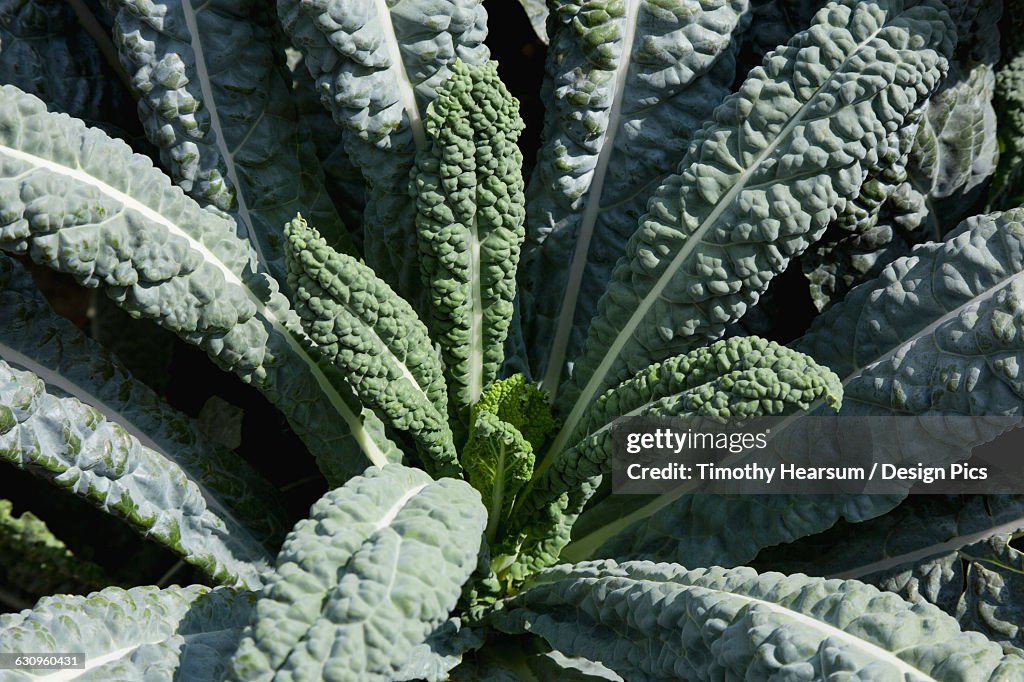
(665, 499)
(113, 415)
(956, 543)
(91, 663)
(392, 513)
(933, 326)
(475, 366)
(874, 651)
(366, 442)
(693, 239)
(581, 254)
(210, 102)
(406, 91)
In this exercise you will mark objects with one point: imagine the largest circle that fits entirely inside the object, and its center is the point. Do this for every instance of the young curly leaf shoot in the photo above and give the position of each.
(348, 599)
(377, 64)
(521, 404)
(498, 461)
(468, 186)
(366, 330)
(74, 447)
(214, 100)
(631, 81)
(760, 184)
(716, 624)
(83, 204)
(184, 633)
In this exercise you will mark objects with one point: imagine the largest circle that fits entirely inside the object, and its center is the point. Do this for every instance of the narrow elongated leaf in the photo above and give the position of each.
(34, 562)
(36, 339)
(82, 203)
(760, 184)
(937, 333)
(742, 376)
(349, 599)
(735, 624)
(142, 633)
(358, 323)
(630, 81)
(470, 209)
(739, 377)
(377, 64)
(74, 447)
(214, 98)
(953, 551)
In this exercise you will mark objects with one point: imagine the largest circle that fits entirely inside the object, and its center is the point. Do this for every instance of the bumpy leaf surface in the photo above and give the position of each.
(953, 551)
(1006, 190)
(214, 98)
(628, 83)
(521, 404)
(343, 179)
(537, 11)
(937, 333)
(470, 208)
(956, 149)
(83, 204)
(871, 231)
(742, 376)
(37, 339)
(377, 64)
(142, 633)
(739, 377)
(651, 621)
(74, 447)
(376, 568)
(761, 182)
(371, 334)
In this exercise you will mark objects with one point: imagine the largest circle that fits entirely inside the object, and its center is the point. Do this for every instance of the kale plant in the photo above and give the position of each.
(327, 197)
